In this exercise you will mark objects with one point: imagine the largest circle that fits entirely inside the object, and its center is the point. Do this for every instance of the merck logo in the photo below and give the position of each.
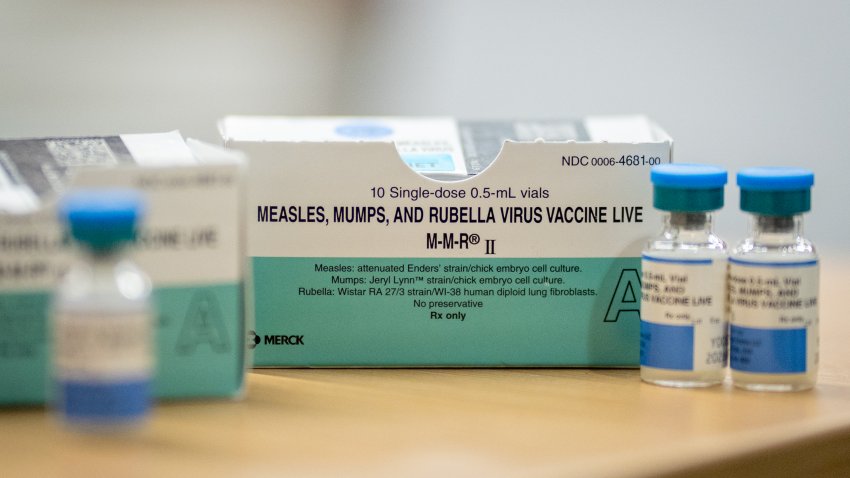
(254, 339)
(283, 339)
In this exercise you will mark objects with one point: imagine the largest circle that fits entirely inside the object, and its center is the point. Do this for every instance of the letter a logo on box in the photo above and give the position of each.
(624, 301)
(203, 324)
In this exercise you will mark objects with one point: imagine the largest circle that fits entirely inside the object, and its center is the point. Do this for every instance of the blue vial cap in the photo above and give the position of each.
(776, 191)
(102, 218)
(687, 187)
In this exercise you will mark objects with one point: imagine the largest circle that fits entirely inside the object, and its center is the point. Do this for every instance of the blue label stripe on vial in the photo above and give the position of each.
(677, 261)
(104, 401)
(667, 346)
(773, 264)
(767, 350)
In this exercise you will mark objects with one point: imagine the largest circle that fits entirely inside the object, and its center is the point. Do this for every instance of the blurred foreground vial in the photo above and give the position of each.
(102, 318)
(683, 329)
(773, 285)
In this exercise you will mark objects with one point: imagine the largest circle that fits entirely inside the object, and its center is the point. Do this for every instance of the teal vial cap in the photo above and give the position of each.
(685, 187)
(776, 191)
(102, 218)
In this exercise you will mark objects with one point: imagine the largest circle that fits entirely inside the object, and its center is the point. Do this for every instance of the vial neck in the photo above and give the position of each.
(102, 257)
(688, 226)
(776, 230)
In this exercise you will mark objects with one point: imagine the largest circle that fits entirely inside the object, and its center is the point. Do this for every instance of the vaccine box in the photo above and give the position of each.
(435, 242)
(189, 244)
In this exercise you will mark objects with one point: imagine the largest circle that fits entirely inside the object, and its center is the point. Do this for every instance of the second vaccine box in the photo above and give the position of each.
(189, 244)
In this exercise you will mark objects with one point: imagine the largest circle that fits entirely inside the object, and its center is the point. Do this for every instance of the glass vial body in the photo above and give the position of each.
(773, 285)
(683, 310)
(102, 329)
(683, 340)
(773, 292)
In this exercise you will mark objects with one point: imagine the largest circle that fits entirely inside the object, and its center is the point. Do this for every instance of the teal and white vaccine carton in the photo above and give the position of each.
(190, 246)
(435, 242)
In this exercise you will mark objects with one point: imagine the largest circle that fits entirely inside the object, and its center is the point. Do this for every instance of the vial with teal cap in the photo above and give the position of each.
(683, 329)
(102, 318)
(773, 285)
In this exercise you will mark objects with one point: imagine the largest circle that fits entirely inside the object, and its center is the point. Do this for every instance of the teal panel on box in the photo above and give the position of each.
(23, 346)
(200, 341)
(446, 312)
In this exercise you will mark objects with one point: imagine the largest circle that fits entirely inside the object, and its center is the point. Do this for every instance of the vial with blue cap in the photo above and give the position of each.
(102, 317)
(683, 329)
(773, 285)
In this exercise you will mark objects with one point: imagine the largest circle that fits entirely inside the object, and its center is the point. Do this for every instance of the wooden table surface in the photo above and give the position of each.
(472, 422)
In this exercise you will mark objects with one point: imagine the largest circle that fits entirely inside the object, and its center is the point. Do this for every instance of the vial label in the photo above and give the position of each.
(773, 310)
(683, 324)
(103, 364)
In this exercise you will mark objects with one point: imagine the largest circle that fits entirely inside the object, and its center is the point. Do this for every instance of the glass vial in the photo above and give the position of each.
(773, 285)
(102, 319)
(683, 329)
